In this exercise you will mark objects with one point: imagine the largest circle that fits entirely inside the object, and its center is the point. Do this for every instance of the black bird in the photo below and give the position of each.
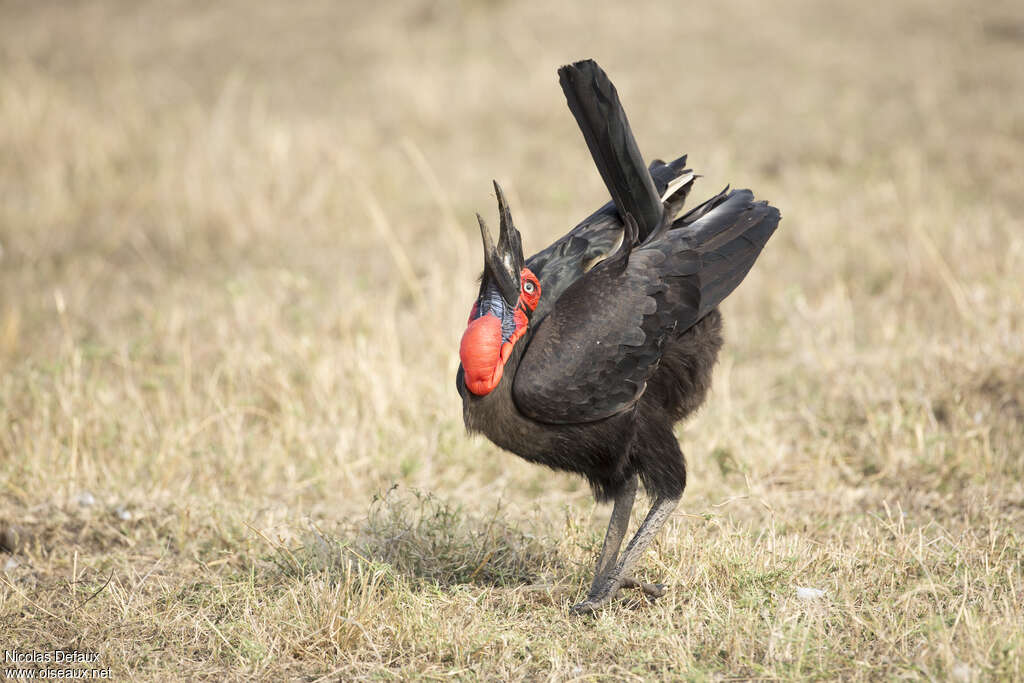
(584, 356)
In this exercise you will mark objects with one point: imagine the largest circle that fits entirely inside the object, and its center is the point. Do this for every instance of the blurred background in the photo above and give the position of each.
(237, 247)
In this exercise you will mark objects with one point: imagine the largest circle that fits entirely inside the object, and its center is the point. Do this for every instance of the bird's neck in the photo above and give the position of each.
(496, 415)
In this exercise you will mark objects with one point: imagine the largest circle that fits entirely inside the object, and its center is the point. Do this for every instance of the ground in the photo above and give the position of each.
(237, 252)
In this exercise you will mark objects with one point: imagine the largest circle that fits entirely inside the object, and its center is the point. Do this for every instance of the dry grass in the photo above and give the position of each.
(236, 253)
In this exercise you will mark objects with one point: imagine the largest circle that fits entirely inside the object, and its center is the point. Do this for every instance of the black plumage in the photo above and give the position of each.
(594, 102)
(621, 343)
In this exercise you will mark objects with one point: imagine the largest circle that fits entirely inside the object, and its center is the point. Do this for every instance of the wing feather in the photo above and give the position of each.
(593, 354)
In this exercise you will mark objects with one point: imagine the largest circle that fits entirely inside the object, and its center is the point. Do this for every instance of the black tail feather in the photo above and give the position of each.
(594, 102)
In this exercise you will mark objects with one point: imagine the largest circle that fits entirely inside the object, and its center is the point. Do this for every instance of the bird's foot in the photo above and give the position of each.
(588, 606)
(600, 594)
(609, 589)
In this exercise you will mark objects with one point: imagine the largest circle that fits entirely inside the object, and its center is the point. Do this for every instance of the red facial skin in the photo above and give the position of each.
(482, 352)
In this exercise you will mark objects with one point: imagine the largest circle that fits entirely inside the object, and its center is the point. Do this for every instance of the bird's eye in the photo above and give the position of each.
(528, 287)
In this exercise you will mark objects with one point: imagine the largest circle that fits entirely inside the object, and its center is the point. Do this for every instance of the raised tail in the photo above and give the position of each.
(728, 231)
(594, 102)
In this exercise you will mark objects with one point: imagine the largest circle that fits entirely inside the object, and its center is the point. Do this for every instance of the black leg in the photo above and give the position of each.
(617, 525)
(606, 587)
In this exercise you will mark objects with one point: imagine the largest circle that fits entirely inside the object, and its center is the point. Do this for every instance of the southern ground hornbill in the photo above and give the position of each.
(584, 356)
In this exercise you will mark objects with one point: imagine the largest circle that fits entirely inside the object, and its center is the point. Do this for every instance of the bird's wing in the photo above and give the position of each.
(592, 355)
(728, 231)
(590, 358)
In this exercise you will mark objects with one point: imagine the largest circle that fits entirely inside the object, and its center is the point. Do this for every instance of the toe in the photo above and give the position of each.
(651, 590)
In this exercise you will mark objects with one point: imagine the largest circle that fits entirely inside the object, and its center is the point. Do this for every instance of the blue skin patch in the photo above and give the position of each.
(492, 302)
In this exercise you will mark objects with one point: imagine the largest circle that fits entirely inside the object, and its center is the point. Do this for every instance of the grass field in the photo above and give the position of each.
(237, 251)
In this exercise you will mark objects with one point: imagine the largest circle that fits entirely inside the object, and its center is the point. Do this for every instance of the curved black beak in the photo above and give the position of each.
(504, 262)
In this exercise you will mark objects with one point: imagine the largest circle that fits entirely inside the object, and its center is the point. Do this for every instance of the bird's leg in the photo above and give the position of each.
(617, 525)
(606, 588)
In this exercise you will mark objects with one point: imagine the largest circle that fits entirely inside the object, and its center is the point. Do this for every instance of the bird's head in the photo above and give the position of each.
(509, 293)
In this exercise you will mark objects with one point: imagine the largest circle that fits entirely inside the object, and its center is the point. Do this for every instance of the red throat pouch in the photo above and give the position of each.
(480, 352)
